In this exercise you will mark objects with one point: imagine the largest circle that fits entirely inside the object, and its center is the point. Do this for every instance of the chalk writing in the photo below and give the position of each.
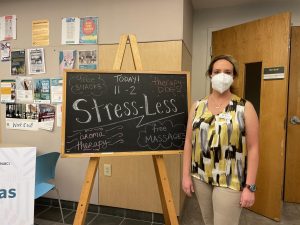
(109, 112)
(161, 135)
(95, 139)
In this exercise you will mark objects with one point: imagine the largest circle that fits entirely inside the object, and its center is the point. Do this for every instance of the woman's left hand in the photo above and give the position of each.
(247, 198)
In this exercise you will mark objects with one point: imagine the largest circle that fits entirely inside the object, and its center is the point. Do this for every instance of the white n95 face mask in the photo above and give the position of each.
(221, 82)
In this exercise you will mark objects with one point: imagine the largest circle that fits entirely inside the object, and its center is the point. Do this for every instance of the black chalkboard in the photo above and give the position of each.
(124, 111)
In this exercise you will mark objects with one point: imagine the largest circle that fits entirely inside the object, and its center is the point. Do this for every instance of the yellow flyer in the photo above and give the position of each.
(40, 33)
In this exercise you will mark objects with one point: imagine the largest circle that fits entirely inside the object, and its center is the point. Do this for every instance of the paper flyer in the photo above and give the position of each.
(87, 59)
(58, 115)
(5, 51)
(2, 28)
(88, 30)
(8, 27)
(8, 91)
(41, 89)
(67, 60)
(36, 61)
(24, 90)
(17, 62)
(21, 116)
(70, 29)
(46, 116)
(56, 90)
(40, 33)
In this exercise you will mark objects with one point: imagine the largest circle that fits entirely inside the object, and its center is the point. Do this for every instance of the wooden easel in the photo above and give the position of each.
(158, 160)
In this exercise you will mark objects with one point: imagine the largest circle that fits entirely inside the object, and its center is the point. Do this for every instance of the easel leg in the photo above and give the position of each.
(86, 191)
(165, 190)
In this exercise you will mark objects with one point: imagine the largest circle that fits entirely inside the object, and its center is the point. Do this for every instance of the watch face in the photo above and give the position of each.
(252, 187)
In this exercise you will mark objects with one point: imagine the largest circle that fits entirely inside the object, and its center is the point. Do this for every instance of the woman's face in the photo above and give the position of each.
(222, 66)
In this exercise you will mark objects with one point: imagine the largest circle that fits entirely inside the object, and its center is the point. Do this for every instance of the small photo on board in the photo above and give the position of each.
(46, 112)
(21, 111)
(87, 59)
(18, 62)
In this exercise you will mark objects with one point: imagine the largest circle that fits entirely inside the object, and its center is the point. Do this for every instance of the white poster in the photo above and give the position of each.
(5, 51)
(58, 115)
(70, 30)
(24, 89)
(8, 27)
(36, 61)
(56, 90)
(17, 182)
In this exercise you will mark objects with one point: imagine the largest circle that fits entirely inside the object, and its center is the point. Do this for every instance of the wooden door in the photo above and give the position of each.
(292, 168)
(266, 41)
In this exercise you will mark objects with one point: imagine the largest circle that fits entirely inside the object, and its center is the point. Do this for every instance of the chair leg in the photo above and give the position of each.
(61, 212)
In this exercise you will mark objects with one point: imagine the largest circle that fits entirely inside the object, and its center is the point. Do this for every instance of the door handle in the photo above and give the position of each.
(295, 120)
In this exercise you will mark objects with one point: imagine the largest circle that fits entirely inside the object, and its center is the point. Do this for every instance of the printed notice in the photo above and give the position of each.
(8, 91)
(5, 51)
(88, 30)
(36, 61)
(17, 66)
(40, 33)
(21, 117)
(70, 30)
(56, 90)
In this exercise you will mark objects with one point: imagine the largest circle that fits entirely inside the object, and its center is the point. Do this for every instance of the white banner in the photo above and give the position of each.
(17, 182)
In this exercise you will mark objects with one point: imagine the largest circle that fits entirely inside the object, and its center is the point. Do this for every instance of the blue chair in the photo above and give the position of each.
(45, 171)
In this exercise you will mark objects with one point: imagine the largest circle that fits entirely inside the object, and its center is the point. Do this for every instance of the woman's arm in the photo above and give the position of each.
(252, 144)
(187, 184)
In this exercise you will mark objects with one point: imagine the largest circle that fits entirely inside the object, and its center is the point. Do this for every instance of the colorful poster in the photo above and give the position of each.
(40, 33)
(41, 91)
(87, 59)
(56, 90)
(17, 182)
(21, 117)
(8, 91)
(5, 51)
(24, 90)
(66, 60)
(46, 116)
(17, 62)
(88, 30)
(70, 28)
(36, 61)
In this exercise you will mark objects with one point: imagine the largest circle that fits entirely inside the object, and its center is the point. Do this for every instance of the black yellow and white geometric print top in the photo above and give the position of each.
(219, 155)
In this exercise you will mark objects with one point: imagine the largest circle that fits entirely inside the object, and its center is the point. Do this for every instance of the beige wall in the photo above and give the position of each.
(187, 31)
(208, 20)
(150, 21)
(153, 20)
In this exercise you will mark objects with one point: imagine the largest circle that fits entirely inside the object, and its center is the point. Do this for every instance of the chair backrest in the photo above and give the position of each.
(45, 167)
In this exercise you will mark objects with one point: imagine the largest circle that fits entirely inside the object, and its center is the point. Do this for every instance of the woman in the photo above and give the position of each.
(221, 149)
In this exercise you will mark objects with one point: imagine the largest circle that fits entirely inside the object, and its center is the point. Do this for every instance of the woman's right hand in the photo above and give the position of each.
(187, 185)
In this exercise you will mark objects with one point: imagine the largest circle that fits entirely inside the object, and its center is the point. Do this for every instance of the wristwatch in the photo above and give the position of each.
(251, 187)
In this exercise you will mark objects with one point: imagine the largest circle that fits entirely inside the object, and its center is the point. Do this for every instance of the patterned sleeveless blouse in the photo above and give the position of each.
(219, 155)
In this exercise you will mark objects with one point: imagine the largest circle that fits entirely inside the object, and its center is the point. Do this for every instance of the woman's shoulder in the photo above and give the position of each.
(239, 100)
(200, 103)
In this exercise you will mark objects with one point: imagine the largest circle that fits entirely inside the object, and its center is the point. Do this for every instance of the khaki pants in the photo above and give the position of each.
(219, 206)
